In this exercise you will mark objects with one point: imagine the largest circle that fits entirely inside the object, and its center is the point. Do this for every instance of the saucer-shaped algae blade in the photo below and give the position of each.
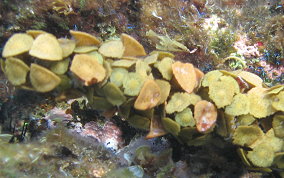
(16, 71)
(185, 75)
(60, 67)
(46, 47)
(239, 105)
(87, 69)
(211, 77)
(118, 75)
(114, 49)
(67, 46)
(132, 84)
(246, 135)
(139, 122)
(260, 102)
(178, 102)
(185, 118)
(84, 39)
(223, 90)
(205, 115)
(35, 33)
(165, 67)
(42, 79)
(17, 44)
(149, 96)
(261, 156)
(132, 46)
(123, 63)
(113, 94)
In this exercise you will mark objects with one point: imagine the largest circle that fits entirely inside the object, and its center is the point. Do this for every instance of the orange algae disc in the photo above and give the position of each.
(205, 115)
(88, 69)
(149, 96)
(84, 39)
(132, 46)
(185, 75)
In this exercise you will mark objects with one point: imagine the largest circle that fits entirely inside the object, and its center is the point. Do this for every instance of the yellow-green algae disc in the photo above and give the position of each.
(123, 63)
(239, 105)
(132, 84)
(278, 125)
(211, 77)
(278, 101)
(118, 75)
(165, 67)
(262, 155)
(101, 104)
(19, 43)
(246, 135)
(113, 48)
(245, 119)
(223, 90)
(85, 49)
(67, 46)
(279, 160)
(171, 126)
(260, 103)
(42, 79)
(185, 118)
(178, 102)
(60, 67)
(142, 68)
(46, 47)
(16, 71)
(113, 94)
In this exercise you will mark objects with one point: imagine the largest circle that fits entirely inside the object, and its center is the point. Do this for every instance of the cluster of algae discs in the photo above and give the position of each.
(154, 91)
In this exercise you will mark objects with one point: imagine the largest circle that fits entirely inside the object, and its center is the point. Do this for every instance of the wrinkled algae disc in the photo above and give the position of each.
(205, 115)
(42, 79)
(178, 102)
(113, 94)
(239, 105)
(132, 84)
(118, 75)
(149, 96)
(185, 75)
(260, 102)
(16, 71)
(101, 104)
(211, 77)
(67, 46)
(275, 89)
(17, 44)
(165, 67)
(114, 49)
(142, 68)
(246, 135)
(163, 54)
(46, 47)
(84, 39)
(96, 55)
(185, 118)
(132, 46)
(223, 90)
(261, 156)
(87, 69)
(151, 59)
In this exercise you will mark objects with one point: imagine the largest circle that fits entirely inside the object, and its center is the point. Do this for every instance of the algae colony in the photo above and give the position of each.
(138, 88)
